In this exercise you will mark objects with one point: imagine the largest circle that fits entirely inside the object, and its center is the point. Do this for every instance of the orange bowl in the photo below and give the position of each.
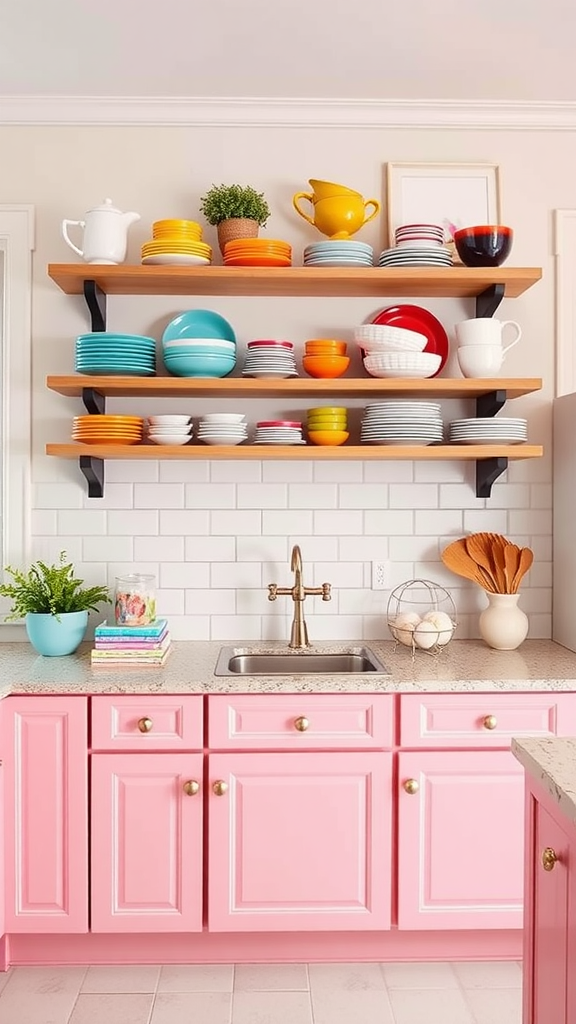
(328, 437)
(328, 346)
(325, 366)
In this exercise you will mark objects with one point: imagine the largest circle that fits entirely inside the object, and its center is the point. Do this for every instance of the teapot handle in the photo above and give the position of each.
(82, 224)
(303, 195)
(376, 210)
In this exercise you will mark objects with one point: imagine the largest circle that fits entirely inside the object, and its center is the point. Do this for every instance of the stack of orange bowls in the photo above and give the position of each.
(104, 429)
(257, 252)
(176, 242)
(328, 425)
(325, 357)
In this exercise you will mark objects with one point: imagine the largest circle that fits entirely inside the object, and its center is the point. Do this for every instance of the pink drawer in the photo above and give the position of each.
(301, 722)
(147, 723)
(483, 719)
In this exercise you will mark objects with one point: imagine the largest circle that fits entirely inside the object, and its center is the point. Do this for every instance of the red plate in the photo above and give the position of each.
(269, 343)
(415, 318)
(278, 423)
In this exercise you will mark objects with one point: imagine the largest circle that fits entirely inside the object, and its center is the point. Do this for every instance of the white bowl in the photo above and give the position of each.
(220, 343)
(388, 346)
(169, 438)
(422, 364)
(175, 428)
(411, 341)
(169, 420)
(223, 417)
(222, 439)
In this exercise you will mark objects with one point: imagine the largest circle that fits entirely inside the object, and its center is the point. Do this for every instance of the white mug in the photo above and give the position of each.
(480, 360)
(486, 331)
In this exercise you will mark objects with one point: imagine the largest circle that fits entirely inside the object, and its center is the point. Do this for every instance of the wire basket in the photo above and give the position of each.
(421, 615)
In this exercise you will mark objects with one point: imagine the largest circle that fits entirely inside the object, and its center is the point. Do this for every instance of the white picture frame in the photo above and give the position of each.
(455, 194)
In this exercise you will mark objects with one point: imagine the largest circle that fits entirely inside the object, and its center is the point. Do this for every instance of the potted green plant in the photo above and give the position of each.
(54, 604)
(237, 211)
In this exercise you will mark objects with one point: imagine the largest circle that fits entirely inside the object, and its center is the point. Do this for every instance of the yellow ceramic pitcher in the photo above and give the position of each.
(327, 189)
(337, 216)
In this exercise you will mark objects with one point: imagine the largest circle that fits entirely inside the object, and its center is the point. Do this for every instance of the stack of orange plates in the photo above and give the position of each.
(257, 252)
(176, 242)
(103, 429)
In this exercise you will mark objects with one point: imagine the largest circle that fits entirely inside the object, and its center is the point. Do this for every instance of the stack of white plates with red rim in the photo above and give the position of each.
(279, 432)
(417, 245)
(268, 358)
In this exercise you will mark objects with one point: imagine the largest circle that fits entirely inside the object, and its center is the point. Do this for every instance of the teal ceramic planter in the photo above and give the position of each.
(53, 637)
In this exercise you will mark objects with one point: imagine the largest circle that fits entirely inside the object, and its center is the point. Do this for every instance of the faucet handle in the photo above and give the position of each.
(326, 592)
(272, 591)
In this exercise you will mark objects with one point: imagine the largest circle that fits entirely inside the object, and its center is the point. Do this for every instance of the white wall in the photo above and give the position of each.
(216, 533)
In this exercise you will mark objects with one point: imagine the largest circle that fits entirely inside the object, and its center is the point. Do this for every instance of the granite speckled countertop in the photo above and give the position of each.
(552, 763)
(465, 665)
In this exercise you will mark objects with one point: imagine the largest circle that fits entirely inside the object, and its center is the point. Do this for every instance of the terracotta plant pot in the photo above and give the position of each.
(236, 227)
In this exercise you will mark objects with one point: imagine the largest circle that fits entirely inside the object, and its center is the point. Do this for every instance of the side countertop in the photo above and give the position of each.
(462, 666)
(552, 763)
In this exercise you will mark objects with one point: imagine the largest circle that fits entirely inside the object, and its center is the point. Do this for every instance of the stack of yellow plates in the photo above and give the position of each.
(104, 429)
(257, 252)
(176, 242)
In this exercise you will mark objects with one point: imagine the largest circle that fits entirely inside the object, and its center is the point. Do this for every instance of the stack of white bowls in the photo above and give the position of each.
(417, 245)
(223, 428)
(170, 429)
(395, 352)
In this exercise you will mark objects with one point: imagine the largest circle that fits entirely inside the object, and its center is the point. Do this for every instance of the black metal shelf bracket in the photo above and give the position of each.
(94, 401)
(96, 302)
(487, 302)
(487, 471)
(491, 403)
(93, 470)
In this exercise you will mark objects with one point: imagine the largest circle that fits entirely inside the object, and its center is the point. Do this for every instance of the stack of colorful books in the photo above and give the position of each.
(131, 645)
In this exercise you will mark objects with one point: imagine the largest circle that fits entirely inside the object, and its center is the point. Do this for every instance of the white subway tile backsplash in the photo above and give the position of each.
(210, 602)
(339, 627)
(235, 627)
(262, 496)
(286, 472)
(295, 521)
(186, 523)
(510, 496)
(363, 496)
(116, 495)
(185, 472)
(48, 548)
(60, 495)
(245, 522)
(155, 496)
(400, 572)
(88, 523)
(444, 521)
(355, 549)
(414, 548)
(324, 549)
(542, 547)
(439, 471)
(170, 602)
(230, 471)
(335, 472)
(389, 472)
(161, 549)
(139, 522)
(236, 574)
(460, 496)
(131, 471)
(362, 601)
(485, 520)
(541, 495)
(108, 549)
(312, 496)
(210, 549)
(339, 574)
(338, 522)
(262, 549)
(530, 521)
(388, 522)
(412, 496)
(43, 521)
(183, 575)
(190, 627)
(210, 496)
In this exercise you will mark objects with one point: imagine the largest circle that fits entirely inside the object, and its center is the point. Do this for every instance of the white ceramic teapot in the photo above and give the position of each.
(105, 233)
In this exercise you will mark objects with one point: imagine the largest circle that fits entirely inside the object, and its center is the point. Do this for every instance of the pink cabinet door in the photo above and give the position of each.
(146, 843)
(299, 841)
(549, 923)
(460, 840)
(46, 759)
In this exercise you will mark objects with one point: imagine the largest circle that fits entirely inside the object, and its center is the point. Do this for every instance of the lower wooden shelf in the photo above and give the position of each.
(296, 452)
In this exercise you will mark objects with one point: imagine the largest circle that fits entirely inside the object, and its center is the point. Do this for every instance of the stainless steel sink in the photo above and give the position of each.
(356, 660)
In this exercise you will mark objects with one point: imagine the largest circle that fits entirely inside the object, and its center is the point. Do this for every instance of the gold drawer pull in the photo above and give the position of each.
(301, 723)
(411, 786)
(490, 722)
(220, 788)
(192, 787)
(145, 724)
(549, 858)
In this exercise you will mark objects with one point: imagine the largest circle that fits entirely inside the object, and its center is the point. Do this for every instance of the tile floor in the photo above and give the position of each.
(406, 993)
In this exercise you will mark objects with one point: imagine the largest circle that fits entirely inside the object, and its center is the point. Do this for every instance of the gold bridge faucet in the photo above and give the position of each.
(299, 633)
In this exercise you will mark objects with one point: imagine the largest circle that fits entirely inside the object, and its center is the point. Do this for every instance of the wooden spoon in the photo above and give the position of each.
(511, 560)
(498, 546)
(524, 563)
(456, 558)
(476, 547)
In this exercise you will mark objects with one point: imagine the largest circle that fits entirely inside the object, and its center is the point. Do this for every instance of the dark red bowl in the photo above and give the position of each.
(485, 245)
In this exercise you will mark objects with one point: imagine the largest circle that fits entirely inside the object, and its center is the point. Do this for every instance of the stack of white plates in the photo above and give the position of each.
(270, 359)
(278, 432)
(396, 421)
(408, 235)
(413, 256)
(223, 428)
(339, 253)
(489, 430)
(175, 428)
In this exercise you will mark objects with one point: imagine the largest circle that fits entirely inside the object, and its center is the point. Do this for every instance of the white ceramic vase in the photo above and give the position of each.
(503, 625)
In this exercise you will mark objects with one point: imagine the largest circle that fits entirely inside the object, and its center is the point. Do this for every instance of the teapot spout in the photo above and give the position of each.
(130, 218)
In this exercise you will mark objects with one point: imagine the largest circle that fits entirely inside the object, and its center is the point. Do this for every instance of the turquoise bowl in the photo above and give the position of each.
(199, 323)
(199, 366)
(53, 636)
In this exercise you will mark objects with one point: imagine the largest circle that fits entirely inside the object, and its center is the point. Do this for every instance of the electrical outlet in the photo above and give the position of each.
(380, 575)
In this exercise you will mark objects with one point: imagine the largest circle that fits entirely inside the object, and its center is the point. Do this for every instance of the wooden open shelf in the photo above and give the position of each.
(295, 452)
(426, 282)
(72, 386)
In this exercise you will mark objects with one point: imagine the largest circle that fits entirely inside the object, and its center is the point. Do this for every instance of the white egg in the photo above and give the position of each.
(443, 623)
(425, 635)
(403, 627)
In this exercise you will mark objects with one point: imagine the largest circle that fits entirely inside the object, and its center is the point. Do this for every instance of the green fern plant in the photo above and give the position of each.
(50, 590)
(227, 202)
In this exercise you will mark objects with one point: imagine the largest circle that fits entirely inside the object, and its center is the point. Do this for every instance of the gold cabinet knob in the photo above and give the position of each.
(145, 724)
(490, 722)
(549, 858)
(411, 786)
(220, 788)
(191, 788)
(301, 723)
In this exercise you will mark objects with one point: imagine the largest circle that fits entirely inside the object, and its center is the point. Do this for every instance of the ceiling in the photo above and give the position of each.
(519, 50)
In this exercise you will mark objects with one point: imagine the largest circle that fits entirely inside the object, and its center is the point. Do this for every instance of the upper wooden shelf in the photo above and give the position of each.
(73, 385)
(428, 282)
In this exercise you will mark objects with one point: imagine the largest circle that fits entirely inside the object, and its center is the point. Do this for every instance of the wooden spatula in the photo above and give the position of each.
(524, 563)
(478, 548)
(511, 561)
(456, 557)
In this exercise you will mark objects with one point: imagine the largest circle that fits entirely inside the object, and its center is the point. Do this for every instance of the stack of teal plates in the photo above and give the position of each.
(106, 353)
(338, 253)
